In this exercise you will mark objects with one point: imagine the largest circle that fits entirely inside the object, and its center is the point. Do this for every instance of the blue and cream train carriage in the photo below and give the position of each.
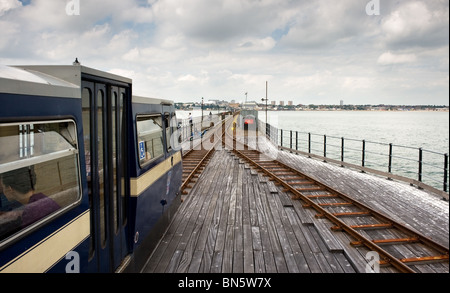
(89, 173)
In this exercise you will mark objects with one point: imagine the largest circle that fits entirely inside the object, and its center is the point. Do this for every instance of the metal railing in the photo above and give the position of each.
(422, 167)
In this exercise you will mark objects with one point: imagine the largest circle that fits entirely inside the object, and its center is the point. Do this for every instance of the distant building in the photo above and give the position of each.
(281, 103)
(234, 105)
(250, 105)
(274, 103)
(290, 103)
(342, 103)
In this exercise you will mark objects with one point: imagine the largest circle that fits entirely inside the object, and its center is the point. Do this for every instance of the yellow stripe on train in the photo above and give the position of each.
(42, 256)
(139, 185)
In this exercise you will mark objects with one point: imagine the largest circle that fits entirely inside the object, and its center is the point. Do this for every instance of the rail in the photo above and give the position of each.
(340, 209)
(197, 157)
(417, 166)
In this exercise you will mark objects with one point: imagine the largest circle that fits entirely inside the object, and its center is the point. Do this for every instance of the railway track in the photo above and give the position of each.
(397, 245)
(197, 158)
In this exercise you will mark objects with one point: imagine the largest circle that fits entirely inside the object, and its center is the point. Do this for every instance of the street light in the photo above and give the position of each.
(202, 112)
(266, 99)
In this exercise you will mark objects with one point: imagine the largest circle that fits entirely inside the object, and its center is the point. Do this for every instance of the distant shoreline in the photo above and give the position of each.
(375, 110)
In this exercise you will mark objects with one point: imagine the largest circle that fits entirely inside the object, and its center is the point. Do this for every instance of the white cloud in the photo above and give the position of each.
(255, 45)
(389, 58)
(7, 5)
(416, 23)
(309, 51)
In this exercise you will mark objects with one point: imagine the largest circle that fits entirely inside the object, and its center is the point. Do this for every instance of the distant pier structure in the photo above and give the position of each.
(248, 120)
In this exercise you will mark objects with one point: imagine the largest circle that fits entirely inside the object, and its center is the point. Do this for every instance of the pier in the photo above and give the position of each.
(234, 219)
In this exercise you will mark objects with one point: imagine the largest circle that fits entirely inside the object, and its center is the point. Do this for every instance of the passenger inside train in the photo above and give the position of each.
(29, 207)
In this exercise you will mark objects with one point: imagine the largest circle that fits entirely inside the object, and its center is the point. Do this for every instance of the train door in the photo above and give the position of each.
(169, 126)
(104, 116)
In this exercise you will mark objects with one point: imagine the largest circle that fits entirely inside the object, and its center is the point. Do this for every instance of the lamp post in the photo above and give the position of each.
(266, 99)
(202, 112)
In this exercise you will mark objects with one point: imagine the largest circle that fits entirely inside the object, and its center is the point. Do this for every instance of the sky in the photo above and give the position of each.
(308, 51)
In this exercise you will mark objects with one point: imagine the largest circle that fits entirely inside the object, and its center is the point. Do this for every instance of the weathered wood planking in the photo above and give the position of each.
(236, 221)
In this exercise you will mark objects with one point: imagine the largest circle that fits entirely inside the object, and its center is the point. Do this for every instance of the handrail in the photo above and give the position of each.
(430, 168)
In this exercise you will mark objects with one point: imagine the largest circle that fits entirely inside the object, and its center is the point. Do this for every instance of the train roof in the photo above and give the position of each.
(50, 80)
(152, 101)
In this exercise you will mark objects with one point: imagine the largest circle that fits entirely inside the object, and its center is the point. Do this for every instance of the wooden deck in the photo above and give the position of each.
(235, 221)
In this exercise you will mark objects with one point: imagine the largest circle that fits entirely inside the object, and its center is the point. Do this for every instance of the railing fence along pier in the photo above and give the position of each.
(424, 168)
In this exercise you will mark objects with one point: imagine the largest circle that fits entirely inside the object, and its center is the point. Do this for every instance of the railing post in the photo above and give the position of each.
(364, 153)
(281, 137)
(296, 140)
(325, 147)
(309, 143)
(445, 172)
(291, 140)
(420, 164)
(390, 158)
(342, 151)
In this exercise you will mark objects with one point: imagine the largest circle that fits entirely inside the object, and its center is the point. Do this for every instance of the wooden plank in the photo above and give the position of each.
(282, 237)
(310, 261)
(259, 262)
(227, 259)
(285, 198)
(278, 255)
(261, 202)
(323, 227)
(344, 263)
(269, 261)
(252, 202)
(188, 253)
(216, 264)
(327, 254)
(238, 262)
(173, 264)
(210, 241)
(248, 250)
(205, 212)
(194, 264)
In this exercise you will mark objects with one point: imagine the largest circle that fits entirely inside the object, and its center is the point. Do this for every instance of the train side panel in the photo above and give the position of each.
(102, 167)
(42, 245)
(155, 177)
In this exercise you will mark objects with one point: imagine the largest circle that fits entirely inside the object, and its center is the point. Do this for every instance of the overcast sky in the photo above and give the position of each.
(310, 52)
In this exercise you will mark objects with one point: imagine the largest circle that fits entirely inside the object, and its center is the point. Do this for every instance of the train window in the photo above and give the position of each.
(150, 138)
(39, 173)
(175, 138)
(168, 131)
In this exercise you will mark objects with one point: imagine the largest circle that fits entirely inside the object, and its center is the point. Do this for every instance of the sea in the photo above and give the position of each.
(393, 139)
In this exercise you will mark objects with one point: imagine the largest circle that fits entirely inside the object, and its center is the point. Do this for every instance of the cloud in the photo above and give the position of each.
(7, 5)
(322, 24)
(212, 22)
(417, 23)
(309, 51)
(389, 58)
(255, 45)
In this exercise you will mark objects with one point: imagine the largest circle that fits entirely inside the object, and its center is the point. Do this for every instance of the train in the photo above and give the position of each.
(90, 174)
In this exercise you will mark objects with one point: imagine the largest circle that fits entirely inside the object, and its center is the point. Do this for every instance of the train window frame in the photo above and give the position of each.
(143, 162)
(39, 160)
(168, 131)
